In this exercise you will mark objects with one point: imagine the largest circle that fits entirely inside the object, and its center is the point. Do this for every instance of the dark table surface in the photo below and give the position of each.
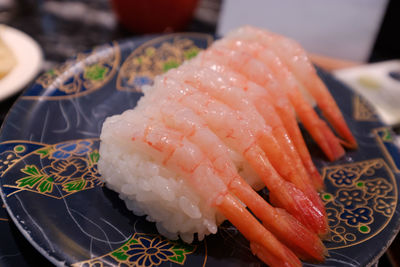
(61, 34)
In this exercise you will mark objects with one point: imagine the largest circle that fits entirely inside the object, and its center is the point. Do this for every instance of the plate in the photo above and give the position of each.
(29, 61)
(377, 83)
(15, 250)
(51, 188)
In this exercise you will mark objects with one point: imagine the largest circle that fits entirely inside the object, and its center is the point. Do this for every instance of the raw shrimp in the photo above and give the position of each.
(220, 86)
(228, 81)
(293, 89)
(207, 135)
(265, 105)
(260, 73)
(296, 60)
(234, 130)
(171, 149)
(276, 146)
(288, 230)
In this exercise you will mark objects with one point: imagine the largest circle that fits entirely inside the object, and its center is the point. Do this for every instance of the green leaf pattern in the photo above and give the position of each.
(42, 181)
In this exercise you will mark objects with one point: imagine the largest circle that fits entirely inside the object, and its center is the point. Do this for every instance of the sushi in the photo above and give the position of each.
(210, 133)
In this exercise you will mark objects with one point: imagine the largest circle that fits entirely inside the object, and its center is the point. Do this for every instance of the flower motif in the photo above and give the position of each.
(378, 187)
(7, 158)
(385, 205)
(332, 215)
(92, 173)
(149, 252)
(343, 177)
(351, 199)
(357, 216)
(62, 170)
(92, 176)
(65, 150)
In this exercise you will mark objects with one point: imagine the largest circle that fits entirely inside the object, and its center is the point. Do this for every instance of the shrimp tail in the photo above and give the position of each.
(303, 242)
(294, 171)
(318, 129)
(264, 244)
(331, 111)
(311, 249)
(333, 141)
(316, 178)
(290, 123)
(269, 259)
(298, 205)
(287, 195)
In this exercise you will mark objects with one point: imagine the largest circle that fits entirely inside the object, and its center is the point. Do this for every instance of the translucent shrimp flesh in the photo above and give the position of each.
(234, 130)
(286, 228)
(276, 146)
(284, 125)
(171, 149)
(257, 71)
(296, 60)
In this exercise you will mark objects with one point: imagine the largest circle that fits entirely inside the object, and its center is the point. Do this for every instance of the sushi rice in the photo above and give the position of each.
(151, 189)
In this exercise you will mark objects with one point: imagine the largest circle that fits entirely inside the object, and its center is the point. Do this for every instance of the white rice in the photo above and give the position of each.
(152, 190)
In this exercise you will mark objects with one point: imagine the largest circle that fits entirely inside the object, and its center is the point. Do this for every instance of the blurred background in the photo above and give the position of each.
(358, 30)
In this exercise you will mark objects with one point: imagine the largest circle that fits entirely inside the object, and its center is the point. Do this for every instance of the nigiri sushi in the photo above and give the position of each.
(207, 135)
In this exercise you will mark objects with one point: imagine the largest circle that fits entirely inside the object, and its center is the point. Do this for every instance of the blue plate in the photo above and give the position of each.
(51, 188)
(14, 249)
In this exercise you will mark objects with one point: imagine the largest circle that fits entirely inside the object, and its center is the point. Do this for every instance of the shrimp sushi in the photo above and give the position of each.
(177, 161)
(207, 135)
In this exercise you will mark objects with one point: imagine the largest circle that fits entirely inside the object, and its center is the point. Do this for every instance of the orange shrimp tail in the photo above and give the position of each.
(343, 130)
(307, 245)
(322, 135)
(318, 129)
(278, 151)
(316, 179)
(333, 141)
(314, 197)
(349, 145)
(332, 113)
(271, 260)
(286, 194)
(288, 149)
(269, 249)
(299, 206)
(304, 243)
(290, 123)
(295, 171)
(338, 123)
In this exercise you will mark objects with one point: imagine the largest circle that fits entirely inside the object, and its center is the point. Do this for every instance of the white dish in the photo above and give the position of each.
(374, 83)
(29, 61)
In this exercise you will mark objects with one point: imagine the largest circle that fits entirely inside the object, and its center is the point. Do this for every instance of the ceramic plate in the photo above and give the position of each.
(51, 187)
(29, 61)
(15, 250)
